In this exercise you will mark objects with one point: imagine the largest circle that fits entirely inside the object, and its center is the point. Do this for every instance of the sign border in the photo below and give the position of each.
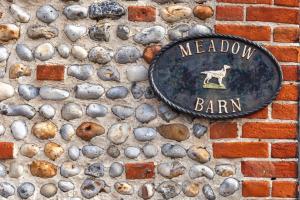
(194, 113)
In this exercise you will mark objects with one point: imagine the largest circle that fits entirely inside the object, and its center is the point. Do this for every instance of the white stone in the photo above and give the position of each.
(16, 170)
(19, 129)
(2, 129)
(3, 53)
(79, 52)
(74, 32)
(6, 91)
(118, 133)
(137, 73)
(19, 13)
(44, 51)
(47, 111)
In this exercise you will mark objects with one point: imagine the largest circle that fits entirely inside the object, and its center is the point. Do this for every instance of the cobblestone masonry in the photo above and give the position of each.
(79, 120)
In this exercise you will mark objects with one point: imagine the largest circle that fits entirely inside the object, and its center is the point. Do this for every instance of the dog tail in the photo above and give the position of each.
(203, 72)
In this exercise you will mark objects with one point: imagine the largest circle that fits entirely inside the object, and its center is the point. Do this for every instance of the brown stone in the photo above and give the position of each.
(43, 169)
(150, 52)
(44, 130)
(198, 154)
(88, 130)
(190, 189)
(141, 13)
(203, 12)
(53, 150)
(178, 132)
(53, 72)
(139, 170)
(18, 70)
(6, 150)
(9, 32)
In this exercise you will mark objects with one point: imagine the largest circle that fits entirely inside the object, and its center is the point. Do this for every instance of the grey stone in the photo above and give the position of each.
(91, 187)
(19, 129)
(28, 92)
(81, 71)
(73, 152)
(199, 30)
(166, 113)
(24, 110)
(228, 187)
(67, 131)
(137, 73)
(52, 93)
(150, 150)
(197, 171)
(38, 31)
(25, 190)
(47, 111)
(145, 113)
(149, 35)
(169, 189)
(146, 191)
(106, 9)
(127, 54)
(108, 73)
(88, 91)
(69, 169)
(199, 130)
(118, 92)
(23, 52)
(173, 150)
(79, 52)
(3, 53)
(119, 132)
(132, 152)
(178, 31)
(19, 13)
(3, 171)
(100, 32)
(44, 51)
(208, 192)
(116, 169)
(95, 170)
(144, 134)
(48, 190)
(74, 32)
(47, 14)
(71, 111)
(6, 189)
(92, 151)
(63, 50)
(2, 130)
(123, 32)
(100, 55)
(75, 12)
(136, 90)
(124, 188)
(96, 110)
(113, 151)
(171, 169)
(122, 112)
(149, 93)
(65, 186)
(16, 169)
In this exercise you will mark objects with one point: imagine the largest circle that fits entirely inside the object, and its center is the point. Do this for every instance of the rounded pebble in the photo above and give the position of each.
(71, 111)
(179, 31)
(16, 170)
(48, 190)
(166, 113)
(3, 171)
(92, 151)
(53, 150)
(122, 112)
(100, 32)
(123, 32)
(136, 90)
(28, 92)
(75, 12)
(169, 189)
(44, 51)
(74, 32)
(199, 154)
(118, 133)
(96, 110)
(81, 72)
(74, 152)
(63, 50)
(88, 91)
(228, 187)
(100, 55)
(190, 189)
(137, 73)
(67, 131)
(145, 113)
(199, 130)
(95, 170)
(116, 169)
(23, 52)
(132, 152)
(47, 13)
(144, 134)
(225, 170)
(6, 189)
(65, 186)
(203, 12)
(127, 54)
(150, 150)
(199, 30)
(108, 73)
(197, 171)
(175, 13)
(118, 92)
(208, 192)
(47, 111)
(6, 91)
(173, 150)
(113, 151)
(124, 188)
(29, 150)
(69, 169)
(146, 191)
(149, 35)
(26, 190)
(3, 53)
(19, 129)
(79, 52)
(19, 13)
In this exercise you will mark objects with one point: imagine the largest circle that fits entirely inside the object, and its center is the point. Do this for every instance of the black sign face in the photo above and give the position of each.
(215, 76)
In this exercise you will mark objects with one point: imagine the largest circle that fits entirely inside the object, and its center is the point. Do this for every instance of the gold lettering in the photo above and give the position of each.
(248, 51)
(199, 104)
(222, 104)
(212, 46)
(210, 107)
(199, 46)
(222, 46)
(185, 51)
(236, 105)
(234, 49)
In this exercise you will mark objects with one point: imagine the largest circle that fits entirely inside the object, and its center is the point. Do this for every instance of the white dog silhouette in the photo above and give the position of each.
(219, 74)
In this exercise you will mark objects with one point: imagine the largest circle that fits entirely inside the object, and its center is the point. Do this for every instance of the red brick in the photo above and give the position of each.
(258, 33)
(291, 3)
(223, 130)
(53, 72)
(284, 150)
(284, 189)
(284, 111)
(230, 13)
(265, 130)
(240, 150)
(6, 150)
(285, 53)
(290, 72)
(277, 169)
(256, 189)
(247, 1)
(261, 114)
(286, 34)
(267, 14)
(141, 13)
(288, 92)
(139, 170)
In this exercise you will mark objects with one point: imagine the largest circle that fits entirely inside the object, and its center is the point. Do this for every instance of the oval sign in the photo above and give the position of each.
(215, 76)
